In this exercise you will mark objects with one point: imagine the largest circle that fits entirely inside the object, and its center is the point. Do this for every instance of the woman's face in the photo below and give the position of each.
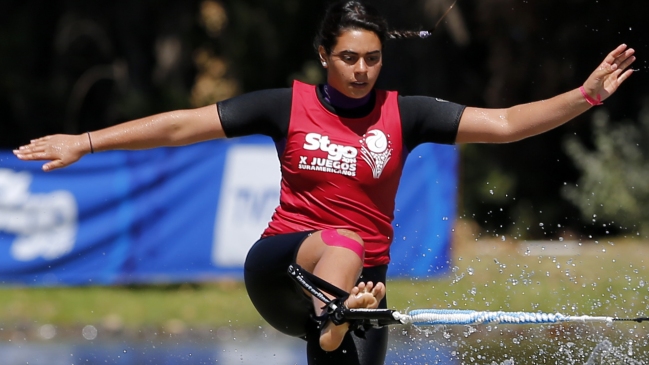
(354, 63)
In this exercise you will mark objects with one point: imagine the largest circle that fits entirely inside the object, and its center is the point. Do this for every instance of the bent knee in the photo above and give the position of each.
(346, 239)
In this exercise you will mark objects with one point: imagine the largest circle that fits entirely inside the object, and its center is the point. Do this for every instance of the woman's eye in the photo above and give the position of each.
(373, 60)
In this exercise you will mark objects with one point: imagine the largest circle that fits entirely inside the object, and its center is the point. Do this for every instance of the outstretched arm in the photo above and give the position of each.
(525, 120)
(175, 128)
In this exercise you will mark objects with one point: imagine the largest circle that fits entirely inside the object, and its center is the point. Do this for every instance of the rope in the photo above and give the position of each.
(431, 317)
(338, 313)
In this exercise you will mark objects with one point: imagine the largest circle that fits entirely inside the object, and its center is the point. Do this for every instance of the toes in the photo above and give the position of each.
(379, 291)
(355, 290)
(366, 295)
(368, 286)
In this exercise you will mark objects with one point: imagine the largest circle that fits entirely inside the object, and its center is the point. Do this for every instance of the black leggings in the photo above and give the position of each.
(285, 306)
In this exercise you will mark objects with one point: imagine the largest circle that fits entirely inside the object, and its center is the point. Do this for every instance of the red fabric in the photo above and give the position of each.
(357, 190)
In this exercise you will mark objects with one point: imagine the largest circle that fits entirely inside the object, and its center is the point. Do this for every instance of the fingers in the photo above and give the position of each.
(610, 58)
(619, 69)
(39, 155)
(620, 51)
(57, 164)
(624, 62)
(620, 58)
(32, 156)
(30, 149)
(614, 70)
(38, 145)
(37, 150)
(625, 76)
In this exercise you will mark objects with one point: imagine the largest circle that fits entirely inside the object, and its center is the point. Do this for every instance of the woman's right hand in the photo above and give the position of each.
(60, 149)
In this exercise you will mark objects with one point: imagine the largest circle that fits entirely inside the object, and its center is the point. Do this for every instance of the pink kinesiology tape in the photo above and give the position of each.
(331, 237)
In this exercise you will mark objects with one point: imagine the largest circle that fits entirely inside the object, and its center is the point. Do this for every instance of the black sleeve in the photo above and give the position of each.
(264, 112)
(427, 119)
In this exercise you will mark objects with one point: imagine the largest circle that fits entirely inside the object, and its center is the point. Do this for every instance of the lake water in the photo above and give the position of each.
(487, 345)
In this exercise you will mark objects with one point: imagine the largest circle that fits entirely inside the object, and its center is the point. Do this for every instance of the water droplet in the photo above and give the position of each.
(47, 331)
(89, 332)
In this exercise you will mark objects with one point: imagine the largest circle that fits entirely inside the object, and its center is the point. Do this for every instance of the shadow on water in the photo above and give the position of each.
(441, 345)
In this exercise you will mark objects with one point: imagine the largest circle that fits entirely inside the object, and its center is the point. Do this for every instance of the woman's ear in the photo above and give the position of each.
(323, 56)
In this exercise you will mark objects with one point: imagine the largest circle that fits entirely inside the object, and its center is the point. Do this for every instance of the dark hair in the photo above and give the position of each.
(346, 15)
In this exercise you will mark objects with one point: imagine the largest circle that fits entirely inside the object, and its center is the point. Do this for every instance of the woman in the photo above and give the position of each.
(341, 146)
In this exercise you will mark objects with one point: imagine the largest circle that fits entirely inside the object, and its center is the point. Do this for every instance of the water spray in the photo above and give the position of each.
(337, 312)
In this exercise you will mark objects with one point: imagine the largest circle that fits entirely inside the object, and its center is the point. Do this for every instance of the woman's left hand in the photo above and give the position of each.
(611, 73)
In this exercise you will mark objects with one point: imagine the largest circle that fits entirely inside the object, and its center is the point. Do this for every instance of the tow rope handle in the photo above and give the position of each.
(336, 310)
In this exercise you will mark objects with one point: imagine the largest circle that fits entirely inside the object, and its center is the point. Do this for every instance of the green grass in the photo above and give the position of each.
(600, 279)
(128, 307)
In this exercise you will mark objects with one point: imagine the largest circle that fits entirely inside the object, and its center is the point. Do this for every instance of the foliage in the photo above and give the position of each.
(613, 189)
(78, 65)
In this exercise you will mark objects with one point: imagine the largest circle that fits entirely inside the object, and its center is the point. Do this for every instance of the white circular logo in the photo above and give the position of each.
(376, 141)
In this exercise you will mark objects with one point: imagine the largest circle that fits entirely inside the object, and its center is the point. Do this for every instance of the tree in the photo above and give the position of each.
(612, 191)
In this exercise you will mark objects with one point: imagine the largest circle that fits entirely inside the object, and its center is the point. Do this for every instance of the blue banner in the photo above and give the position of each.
(186, 214)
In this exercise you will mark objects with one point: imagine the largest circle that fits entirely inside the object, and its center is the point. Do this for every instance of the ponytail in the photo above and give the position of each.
(355, 15)
(401, 34)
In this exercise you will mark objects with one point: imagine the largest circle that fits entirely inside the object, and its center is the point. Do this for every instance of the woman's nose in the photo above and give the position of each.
(361, 66)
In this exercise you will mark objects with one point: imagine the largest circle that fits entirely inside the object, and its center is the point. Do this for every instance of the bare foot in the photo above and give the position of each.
(364, 295)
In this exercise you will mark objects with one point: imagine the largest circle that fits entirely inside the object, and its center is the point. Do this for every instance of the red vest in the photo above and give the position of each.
(341, 172)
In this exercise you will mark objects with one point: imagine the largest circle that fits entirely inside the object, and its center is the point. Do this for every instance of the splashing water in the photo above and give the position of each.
(606, 353)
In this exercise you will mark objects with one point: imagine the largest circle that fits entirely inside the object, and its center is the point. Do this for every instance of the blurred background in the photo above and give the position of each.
(73, 66)
(563, 198)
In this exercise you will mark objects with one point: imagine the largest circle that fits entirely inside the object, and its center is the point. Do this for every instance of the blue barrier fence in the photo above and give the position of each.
(186, 214)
